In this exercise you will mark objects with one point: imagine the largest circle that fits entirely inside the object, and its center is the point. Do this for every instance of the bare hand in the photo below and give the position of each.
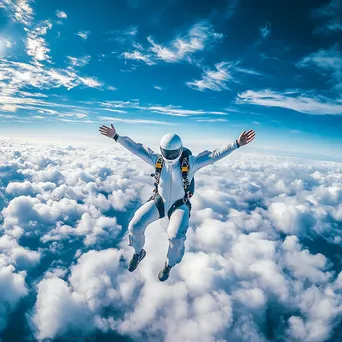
(246, 137)
(107, 131)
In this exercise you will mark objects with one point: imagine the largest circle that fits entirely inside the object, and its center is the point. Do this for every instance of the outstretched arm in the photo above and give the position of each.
(206, 158)
(139, 150)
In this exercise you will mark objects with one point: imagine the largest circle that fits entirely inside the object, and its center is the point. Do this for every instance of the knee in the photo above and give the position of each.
(135, 226)
(177, 240)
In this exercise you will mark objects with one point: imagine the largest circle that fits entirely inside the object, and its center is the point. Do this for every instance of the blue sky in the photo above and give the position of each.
(205, 70)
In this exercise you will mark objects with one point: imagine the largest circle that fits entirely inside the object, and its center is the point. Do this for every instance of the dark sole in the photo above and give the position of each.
(133, 269)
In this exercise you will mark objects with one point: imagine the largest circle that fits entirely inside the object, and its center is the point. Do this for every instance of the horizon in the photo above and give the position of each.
(230, 66)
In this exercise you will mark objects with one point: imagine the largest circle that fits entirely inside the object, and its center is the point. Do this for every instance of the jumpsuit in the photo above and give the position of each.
(170, 189)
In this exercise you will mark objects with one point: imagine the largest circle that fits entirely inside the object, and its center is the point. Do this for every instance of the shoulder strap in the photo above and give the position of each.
(157, 172)
(185, 167)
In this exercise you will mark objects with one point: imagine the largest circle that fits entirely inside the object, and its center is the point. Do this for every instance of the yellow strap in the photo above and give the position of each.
(185, 168)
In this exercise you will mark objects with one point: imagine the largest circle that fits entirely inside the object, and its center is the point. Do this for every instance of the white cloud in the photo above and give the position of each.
(164, 110)
(260, 244)
(12, 289)
(328, 61)
(199, 37)
(216, 80)
(83, 34)
(90, 82)
(79, 62)
(135, 121)
(35, 43)
(58, 309)
(21, 10)
(178, 111)
(294, 100)
(158, 88)
(212, 120)
(139, 56)
(16, 76)
(61, 14)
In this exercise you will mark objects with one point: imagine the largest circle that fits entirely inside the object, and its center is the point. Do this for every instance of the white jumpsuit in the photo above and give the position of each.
(170, 189)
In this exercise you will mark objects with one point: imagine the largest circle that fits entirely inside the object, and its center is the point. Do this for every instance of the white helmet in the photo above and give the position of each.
(171, 148)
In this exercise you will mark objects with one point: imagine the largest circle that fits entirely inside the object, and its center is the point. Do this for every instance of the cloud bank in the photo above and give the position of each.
(262, 256)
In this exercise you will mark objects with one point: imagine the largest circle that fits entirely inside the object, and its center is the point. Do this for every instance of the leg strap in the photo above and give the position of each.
(178, 204)
(159, 204)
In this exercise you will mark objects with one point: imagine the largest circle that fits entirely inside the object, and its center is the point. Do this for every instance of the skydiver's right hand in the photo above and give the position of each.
(108, 131)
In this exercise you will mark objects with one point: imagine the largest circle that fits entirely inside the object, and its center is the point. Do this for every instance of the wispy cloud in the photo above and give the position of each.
(248, 71)
(8, 43)
(217, 79)
(211, 120)
(198, 38)
(83, 34)
(15, 76)
(77, 121)
(136, 121)
(178, 111)
(115, 110)
(90, 82)
(294, 100)
(265, 31)
(61, 14)
(80, 61)
(214, 79)
(328, 61)
(330, 15)
(20, 10)
(158, 88)
(35, 43)
(139, 56)
(8, 108)
(119, 106)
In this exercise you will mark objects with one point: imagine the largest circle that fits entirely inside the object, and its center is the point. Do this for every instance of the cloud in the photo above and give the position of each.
(61, 14)
(83, 34)
(5, 44)
(90, 82)
(328, 61)
(199, 37)
(178, 111)
(136, 121)
(330, 16)
(138, 56)
(79, 62)
(58, 309)
(164, 110)
(261, 252)
(215, 80)
(16, 76)
(13, 288)
(294, 100)
(20, 10)
(158, 88)
(211, 120)
(35, 43)
(265, 31)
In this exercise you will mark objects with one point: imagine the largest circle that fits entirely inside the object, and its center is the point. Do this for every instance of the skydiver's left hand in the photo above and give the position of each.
(246, 137)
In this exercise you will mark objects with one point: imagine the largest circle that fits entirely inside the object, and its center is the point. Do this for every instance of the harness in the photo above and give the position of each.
(188, 188)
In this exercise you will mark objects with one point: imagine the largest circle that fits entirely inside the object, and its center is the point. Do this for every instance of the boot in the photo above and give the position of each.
(137, 257)
(164, 273)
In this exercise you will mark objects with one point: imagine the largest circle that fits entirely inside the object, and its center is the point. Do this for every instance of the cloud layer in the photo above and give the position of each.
(262, 260)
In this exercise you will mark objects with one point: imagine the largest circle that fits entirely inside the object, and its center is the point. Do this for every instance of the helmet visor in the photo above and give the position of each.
(171, 154)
